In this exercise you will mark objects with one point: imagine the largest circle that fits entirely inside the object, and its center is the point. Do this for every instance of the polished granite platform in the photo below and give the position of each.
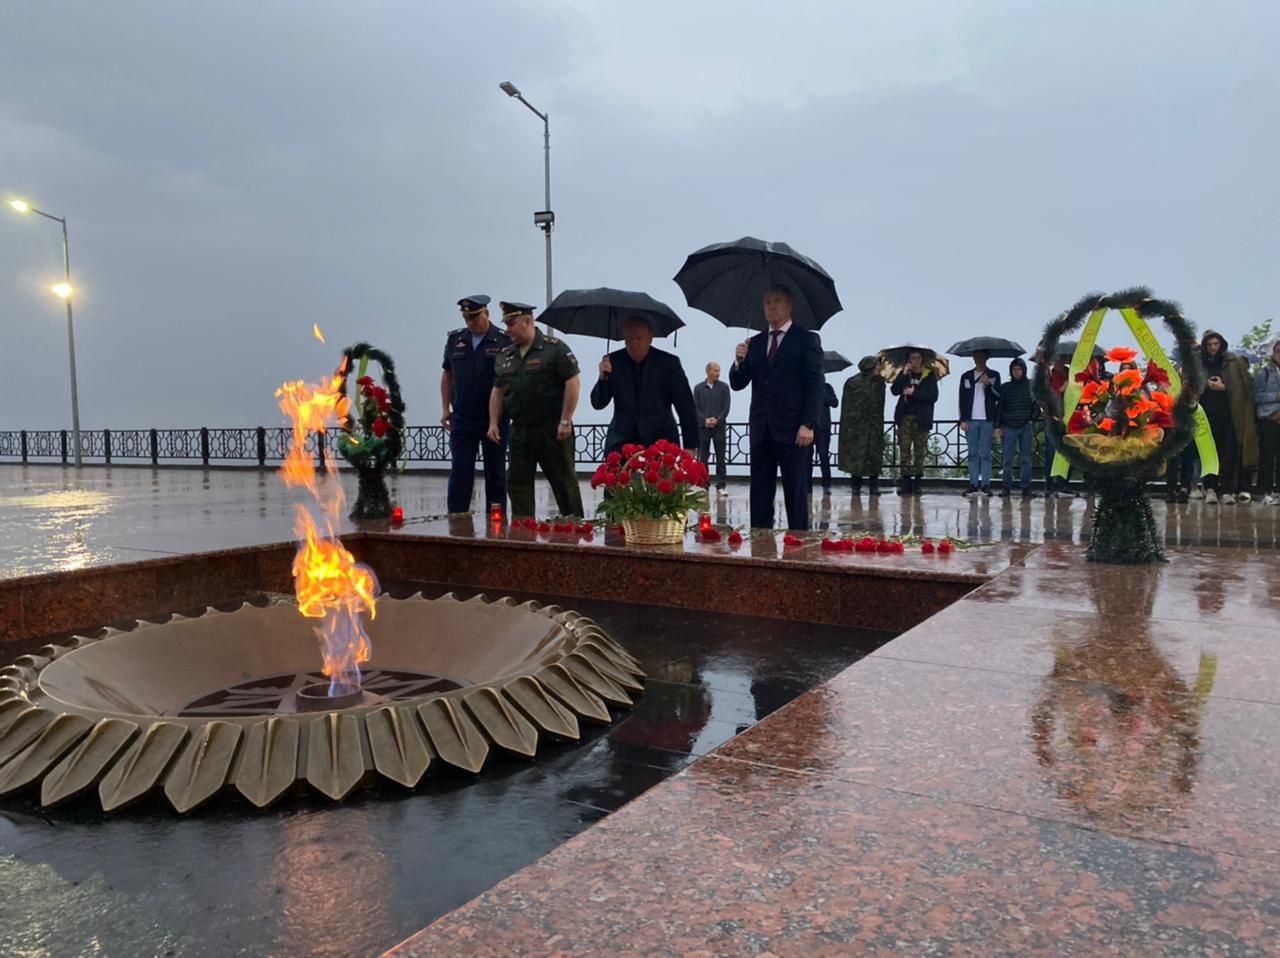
(1073, 760)
(1067, 760)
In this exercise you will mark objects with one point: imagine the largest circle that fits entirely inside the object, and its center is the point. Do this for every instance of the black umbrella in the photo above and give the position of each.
(1067, 348)
(897, 355)
(600, 312)
(993, 346)
(729, 280)
(833, 362)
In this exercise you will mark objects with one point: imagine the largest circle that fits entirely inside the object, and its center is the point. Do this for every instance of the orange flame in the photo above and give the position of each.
(329, 583)
(315, 331)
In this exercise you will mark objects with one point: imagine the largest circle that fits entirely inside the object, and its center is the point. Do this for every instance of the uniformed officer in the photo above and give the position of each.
(465, 384)
(537, 386)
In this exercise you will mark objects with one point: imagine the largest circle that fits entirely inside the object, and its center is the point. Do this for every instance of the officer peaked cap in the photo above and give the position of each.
(473, 304)
(516, 309)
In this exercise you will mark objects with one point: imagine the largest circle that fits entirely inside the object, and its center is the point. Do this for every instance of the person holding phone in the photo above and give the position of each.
(1227, 401)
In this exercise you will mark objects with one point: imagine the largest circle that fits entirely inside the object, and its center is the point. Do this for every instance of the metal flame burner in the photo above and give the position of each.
(131, 714)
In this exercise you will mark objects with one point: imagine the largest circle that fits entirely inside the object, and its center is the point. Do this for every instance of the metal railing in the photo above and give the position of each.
(426, 446)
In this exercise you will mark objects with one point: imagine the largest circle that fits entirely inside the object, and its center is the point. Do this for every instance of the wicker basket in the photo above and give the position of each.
(655, 532)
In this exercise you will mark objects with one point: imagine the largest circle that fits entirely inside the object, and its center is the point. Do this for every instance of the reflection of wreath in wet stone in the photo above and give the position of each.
(71, 718)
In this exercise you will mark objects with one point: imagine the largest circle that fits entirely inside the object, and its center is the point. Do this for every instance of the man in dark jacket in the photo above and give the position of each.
(711, 402)
(1013, 425)
(822, 439)
(917, 390)
(979, 407)
(644, 384)
(783, 367)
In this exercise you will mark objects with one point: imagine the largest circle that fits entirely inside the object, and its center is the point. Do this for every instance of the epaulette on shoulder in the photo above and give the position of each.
(457, 332)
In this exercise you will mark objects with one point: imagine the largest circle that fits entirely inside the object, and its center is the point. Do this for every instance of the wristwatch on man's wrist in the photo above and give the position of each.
(566, 422)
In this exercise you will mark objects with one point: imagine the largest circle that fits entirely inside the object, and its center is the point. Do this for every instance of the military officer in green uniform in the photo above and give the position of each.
(537, 385)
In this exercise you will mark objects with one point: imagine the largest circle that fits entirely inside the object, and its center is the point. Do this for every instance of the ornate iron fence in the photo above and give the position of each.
(426, 446)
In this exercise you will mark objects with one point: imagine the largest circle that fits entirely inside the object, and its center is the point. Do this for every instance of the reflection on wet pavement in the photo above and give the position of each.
(52, 520)
(334, 881)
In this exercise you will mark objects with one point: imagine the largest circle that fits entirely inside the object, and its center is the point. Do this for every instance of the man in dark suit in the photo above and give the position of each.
(783, 366)
(644, 384)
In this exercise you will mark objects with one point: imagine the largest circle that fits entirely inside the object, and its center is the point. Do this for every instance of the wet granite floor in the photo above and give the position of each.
(1073, 760)
(354, 879)
(52, 519)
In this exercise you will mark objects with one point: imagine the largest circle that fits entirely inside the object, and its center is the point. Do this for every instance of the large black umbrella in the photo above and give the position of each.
(993, 346)
(729, 280)
(1067, 349)
(600, 312)
(833, 362)
(897, 355)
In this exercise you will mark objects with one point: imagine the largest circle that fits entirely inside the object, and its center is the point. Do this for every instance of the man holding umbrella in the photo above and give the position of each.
(783, 365)
(980, 404)
(644, 384)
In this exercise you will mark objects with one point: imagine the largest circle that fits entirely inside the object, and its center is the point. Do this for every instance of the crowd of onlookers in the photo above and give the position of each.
(1242, 409)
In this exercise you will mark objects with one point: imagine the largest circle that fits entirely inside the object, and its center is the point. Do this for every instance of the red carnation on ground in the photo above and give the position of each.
(830, 545)
(927, 547)
(866, 544)
(945, 546)
(735, 538)
(790, 540)
(711, 535)
(380, 427)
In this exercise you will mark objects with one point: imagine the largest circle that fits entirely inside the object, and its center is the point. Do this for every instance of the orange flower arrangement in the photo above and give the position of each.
(1126, 403)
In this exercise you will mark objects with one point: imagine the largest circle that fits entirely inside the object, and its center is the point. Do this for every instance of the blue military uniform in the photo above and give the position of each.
(470, 360)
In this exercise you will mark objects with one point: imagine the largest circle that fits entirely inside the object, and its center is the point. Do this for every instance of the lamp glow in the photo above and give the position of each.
(22, 206)
(62, 290)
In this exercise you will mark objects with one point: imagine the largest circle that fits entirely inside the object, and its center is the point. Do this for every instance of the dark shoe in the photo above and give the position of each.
(971, 491)
(1183, 495)
(856, 482)
(1006, 493)
(874, 488)
(1171, 495)
(904, 484)
(986, 491)
(826, 492)
(1027, 495)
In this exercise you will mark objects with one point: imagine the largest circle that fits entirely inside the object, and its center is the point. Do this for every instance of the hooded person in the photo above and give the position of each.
(1013, 426)
(1227, 401)
(861, 450)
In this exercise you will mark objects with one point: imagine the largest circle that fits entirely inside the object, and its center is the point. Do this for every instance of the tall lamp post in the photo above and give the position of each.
(544, 219)
(63, 291)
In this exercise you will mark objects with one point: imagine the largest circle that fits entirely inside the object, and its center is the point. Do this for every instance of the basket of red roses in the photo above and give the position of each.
(651, 490)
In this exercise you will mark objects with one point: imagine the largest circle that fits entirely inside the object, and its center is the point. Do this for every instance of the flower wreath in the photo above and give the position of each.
(1159, 433)
(373, 438)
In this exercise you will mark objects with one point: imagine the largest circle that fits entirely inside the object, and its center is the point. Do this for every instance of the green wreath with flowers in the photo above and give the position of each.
(373, 432)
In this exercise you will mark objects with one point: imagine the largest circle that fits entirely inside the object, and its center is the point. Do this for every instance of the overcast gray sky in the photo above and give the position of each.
(234, 172)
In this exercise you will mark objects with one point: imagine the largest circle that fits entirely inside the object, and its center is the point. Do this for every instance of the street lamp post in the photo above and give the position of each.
(544, 219)
(63, 291)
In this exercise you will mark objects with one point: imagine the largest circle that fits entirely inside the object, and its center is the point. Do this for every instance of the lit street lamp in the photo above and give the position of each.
(63, 291)
(544, 219)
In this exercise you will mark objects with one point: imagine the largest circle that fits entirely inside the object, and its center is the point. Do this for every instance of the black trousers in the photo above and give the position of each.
(706, 437)
(1224, 437)
(1268, 456)
(768, 458)
(464, 442)
(822, 455)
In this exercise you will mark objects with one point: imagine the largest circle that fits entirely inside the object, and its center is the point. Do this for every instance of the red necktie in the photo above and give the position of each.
(773, 344)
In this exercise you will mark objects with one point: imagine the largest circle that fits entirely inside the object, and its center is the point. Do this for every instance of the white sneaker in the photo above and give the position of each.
(1271, 500)
(1245, 497)
(1228, 499)
(1197, 493)
(722, 491)
(1210, 497)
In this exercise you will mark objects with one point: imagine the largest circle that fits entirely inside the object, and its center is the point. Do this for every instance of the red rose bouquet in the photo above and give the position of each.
(660, 482)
